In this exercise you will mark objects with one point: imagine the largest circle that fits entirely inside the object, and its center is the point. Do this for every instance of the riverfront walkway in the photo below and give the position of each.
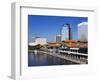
(70, 56)
(66, 57)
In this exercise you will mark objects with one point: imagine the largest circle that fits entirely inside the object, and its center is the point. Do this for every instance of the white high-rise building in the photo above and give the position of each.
(83, 31)
(66, 32)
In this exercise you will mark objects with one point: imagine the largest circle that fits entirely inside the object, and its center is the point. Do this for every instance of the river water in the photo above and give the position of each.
(41, 59)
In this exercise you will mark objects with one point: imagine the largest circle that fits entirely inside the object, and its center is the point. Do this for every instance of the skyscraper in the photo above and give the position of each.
(83, 31)
(66, 32)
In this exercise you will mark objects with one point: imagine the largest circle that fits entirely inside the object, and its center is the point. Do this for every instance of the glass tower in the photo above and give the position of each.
(66, 32)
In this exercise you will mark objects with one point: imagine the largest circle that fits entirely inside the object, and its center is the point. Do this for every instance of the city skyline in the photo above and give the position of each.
(49, 26)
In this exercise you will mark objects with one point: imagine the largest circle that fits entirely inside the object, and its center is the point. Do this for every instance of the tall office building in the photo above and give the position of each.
(66, 32)
(58, 38)
(83, 31)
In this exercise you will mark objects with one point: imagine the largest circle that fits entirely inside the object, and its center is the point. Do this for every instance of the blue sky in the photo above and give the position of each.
(49, 26)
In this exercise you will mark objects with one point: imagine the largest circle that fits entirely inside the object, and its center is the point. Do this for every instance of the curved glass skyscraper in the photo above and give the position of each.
(66, 32)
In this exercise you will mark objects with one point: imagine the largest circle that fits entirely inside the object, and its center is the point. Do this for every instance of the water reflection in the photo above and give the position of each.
(44, 60)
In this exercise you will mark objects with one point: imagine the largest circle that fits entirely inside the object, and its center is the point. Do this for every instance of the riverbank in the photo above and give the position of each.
(63, 56)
